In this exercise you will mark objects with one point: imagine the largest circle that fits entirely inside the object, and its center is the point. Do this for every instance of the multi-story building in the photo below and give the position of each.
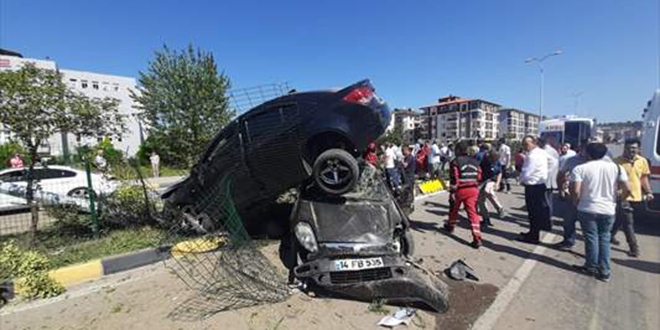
(619, 132)
(93, 85)
(409, 121)
(515, 124)
(455, 118)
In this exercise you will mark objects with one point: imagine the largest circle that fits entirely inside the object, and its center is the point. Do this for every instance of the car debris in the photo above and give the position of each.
(459, 271)
(403, 315)
(358, 245)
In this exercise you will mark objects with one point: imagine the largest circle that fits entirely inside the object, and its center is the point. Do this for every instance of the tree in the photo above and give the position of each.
(394, 136)
(183, 103)
(35, 104)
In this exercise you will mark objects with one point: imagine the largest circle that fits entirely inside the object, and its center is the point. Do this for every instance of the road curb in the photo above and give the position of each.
(95, 269)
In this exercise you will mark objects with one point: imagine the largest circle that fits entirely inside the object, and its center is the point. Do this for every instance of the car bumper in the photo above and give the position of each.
(397, 282)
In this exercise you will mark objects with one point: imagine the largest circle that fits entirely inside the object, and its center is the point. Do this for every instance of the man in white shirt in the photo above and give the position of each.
(594, 187)
(553, 169)
(445, 157)
(390, 167)
(505, 161)
(434, 161)
(566, 153)
(534, 176)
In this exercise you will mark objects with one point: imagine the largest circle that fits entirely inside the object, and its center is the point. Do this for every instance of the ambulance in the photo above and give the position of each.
(651, 147)
(567, 129)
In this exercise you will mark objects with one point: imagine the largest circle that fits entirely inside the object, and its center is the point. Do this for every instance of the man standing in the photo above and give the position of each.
(534, 176)
(100, 162)
(553, 168)
(390, 168)
(594, 187)
(505, 162)
(464, 177)
(491, 170)
(434, 161)
(566, 153)
(569, 209)
(155, 164)
(408, 169)
(445, 157)
(637, 170)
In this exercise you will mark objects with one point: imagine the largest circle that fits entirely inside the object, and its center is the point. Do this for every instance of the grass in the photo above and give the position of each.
(65, 249)
(378, 307)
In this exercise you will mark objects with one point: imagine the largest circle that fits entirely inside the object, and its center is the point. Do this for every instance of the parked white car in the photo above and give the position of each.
(61, 180)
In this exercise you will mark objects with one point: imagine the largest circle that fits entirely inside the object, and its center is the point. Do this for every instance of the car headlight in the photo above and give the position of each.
(305, 236)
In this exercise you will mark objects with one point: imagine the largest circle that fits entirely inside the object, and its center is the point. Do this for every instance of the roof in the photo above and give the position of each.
(518, 110)
(452, 99)
(9, 53)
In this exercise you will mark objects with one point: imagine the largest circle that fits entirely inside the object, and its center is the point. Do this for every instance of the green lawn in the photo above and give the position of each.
(62, 249)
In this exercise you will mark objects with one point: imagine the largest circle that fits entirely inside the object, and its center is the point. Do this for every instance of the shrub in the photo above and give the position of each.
(31, 267)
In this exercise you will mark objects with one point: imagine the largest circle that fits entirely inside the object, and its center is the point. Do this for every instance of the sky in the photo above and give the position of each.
(413, 51)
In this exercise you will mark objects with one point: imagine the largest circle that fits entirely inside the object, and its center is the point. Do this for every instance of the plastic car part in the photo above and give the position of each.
(336, 171)
(305, 236)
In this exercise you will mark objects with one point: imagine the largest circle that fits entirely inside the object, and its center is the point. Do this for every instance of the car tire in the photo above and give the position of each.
(80, 192)
(336, 171)
(407, 244)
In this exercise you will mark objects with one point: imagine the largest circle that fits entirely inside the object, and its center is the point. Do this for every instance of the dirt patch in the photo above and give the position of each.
(467, 301)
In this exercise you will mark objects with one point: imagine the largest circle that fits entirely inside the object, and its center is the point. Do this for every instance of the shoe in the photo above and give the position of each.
(584, 270)
(633, 253)
(448, 228)
(527, 238)
(476, 244)
(563, 246)
(614, 241)
(603, 277)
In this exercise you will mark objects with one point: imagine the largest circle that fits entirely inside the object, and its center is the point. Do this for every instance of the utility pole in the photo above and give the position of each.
(540, 61)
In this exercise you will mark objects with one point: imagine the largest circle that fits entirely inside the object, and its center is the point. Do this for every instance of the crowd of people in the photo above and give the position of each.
(589, 185)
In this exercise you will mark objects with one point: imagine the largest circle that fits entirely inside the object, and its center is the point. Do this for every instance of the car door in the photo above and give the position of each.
(272, 146)
(13, 176)
(59, 181)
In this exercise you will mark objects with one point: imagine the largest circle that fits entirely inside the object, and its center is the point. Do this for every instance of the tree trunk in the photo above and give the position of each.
(29, 196)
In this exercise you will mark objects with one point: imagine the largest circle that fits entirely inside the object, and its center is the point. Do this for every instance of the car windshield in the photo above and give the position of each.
(369, 186)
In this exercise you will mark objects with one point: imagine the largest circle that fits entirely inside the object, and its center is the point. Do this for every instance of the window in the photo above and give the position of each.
(84, 84)
(95, 85)
(13, 176)
(116, 88)
(50, 173)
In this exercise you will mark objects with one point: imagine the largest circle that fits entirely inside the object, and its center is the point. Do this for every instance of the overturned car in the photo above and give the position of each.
(310, 136)
(358, 245)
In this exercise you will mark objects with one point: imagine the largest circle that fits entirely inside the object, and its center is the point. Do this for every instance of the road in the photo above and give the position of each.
(535, 287)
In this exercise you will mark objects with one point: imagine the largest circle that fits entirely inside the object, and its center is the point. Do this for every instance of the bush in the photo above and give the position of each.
(128, 207)
(69, 220)
(31, 267)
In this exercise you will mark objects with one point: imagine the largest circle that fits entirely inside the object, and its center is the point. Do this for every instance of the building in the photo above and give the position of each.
(408, 120)
(619, 132)
(515, 124)
(478, 119)
(93, 85)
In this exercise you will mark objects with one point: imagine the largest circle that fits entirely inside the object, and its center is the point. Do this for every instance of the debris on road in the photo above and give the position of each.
(459, 271)
(402, 315)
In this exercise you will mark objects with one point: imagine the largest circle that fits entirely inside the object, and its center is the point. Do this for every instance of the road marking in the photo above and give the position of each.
(488, 319)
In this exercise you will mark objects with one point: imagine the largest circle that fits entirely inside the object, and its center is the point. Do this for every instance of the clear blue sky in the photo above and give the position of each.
(414, 51)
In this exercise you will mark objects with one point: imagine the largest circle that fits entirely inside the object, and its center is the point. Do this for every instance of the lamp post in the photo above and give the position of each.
(540, 60)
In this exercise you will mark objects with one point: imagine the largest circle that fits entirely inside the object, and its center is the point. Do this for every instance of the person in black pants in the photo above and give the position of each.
(534, 176)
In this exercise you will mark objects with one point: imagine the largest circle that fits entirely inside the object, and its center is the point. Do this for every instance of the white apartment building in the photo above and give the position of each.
(409, 121)
(515, 124)
(454, 117)
(94, 85)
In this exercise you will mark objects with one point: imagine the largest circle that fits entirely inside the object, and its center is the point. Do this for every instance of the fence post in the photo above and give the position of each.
(92, 200)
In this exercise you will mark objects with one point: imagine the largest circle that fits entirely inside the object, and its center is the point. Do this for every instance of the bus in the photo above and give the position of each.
(568, 129)
(651, 147)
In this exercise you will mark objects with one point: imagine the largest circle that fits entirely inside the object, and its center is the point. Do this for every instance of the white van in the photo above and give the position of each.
(651, 146)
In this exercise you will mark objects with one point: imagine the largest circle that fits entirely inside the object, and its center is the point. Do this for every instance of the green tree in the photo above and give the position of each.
(394, 136)
(35, 104)
(183, 103)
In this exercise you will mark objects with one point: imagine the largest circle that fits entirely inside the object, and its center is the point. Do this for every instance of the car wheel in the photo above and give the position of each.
(336, 171)
(407, 244)
(80, 192)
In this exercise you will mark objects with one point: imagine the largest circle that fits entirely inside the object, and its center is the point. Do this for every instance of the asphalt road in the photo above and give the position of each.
(536, 288)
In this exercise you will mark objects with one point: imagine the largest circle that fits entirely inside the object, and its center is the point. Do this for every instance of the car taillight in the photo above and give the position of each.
(361, 95)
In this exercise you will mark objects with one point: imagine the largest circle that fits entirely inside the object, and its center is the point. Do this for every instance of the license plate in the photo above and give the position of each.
(357, 264)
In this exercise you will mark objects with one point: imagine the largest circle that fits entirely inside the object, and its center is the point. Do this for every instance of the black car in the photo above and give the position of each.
(277, 145)
(358, 245)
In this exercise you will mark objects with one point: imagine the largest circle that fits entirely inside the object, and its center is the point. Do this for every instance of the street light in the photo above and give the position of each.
(540, 60)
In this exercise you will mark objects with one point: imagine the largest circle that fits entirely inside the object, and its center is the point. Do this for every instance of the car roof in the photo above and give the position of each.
(54, 167)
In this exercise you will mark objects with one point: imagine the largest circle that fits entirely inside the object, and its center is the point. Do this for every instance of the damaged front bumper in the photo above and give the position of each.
(398, 282)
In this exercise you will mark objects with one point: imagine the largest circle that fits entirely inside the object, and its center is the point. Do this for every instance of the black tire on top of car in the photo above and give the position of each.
(336, 171)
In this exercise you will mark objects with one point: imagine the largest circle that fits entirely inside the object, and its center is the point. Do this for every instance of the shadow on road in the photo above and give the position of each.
(645, 266)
